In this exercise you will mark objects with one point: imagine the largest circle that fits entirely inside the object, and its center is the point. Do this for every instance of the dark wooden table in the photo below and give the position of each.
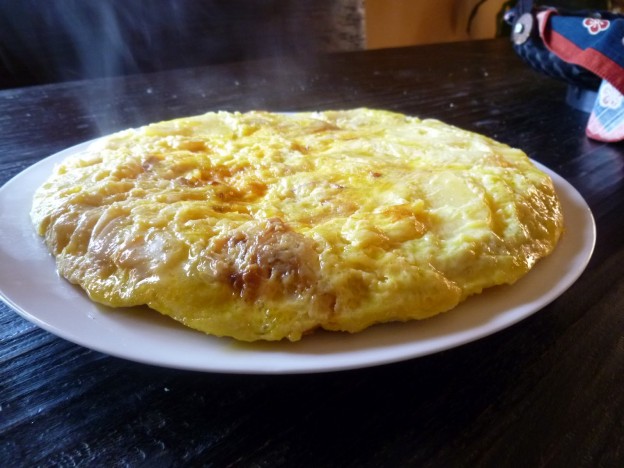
(545, 392)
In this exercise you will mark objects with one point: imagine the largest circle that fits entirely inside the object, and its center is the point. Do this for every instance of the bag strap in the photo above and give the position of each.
(524, 6)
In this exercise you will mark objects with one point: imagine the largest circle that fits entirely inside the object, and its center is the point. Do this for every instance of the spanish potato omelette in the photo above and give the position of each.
(267, 226)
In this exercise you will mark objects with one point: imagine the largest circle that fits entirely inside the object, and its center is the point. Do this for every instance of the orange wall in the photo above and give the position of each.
(391, 23)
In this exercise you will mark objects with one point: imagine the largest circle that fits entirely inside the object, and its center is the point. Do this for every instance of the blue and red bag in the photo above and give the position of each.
(593, 41)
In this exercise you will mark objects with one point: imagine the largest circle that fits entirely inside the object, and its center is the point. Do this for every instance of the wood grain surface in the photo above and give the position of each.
(545, 392)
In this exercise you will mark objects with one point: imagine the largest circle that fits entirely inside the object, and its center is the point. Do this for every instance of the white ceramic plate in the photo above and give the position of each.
(30, 285)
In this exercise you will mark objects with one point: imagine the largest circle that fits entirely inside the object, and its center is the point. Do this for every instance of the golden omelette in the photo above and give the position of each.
(263, 226)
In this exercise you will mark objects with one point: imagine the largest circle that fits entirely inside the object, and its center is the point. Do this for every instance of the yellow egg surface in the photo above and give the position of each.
(267, 226)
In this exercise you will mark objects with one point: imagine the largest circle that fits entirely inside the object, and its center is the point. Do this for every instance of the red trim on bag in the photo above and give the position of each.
(588, 58)
(596, 131)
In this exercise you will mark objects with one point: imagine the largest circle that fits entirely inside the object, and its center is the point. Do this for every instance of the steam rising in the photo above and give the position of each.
(60, 40)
